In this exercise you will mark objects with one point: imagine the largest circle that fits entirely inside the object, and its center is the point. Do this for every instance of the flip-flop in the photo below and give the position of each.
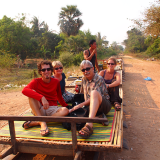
(46, 133)
(27, 124)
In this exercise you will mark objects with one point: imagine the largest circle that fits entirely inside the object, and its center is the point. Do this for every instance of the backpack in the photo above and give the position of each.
(81, 112)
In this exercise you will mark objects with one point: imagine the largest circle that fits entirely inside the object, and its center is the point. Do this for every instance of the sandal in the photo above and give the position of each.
(26, 123)
(117, 106)
(87, 130)
(46, 133)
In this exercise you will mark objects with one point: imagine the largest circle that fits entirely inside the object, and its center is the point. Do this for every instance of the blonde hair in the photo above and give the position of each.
(56, 63)
(113, 59)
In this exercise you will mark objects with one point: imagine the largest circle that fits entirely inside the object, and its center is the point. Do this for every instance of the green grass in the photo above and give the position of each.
(18, 77)
(15, 77)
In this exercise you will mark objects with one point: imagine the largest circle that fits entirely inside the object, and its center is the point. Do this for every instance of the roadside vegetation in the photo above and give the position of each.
(144, 39)
(23, 43)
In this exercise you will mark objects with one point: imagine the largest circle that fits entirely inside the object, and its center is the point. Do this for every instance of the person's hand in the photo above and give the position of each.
(94, 51)
(75, 107)
(107, 85)
(45, 103)
(70, 110)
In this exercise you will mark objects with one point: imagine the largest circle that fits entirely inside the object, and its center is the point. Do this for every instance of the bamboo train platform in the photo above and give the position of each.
(73, 147)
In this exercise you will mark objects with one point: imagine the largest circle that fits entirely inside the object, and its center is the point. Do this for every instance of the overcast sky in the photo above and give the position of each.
(109, 17)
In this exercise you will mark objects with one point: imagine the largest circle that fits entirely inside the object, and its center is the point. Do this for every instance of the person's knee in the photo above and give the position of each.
(34, 103)
(32, 100)
(96, 95)
(65, 111)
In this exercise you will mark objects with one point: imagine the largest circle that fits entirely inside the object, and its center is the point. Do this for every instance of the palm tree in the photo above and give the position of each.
(101, 41)
(37, 26)
(69, 20)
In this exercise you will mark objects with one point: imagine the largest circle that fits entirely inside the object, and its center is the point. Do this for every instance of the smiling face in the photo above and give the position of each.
(58, 69)
(111, 65)
(46, 72)
(88, 71)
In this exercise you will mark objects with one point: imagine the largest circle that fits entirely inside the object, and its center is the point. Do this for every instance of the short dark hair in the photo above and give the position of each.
(42, 63)
(91, 42)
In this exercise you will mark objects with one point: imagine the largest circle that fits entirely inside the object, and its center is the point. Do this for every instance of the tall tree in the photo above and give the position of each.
(150, 23)
(101, 41)
(69, 20)
(49, 41)
(135, 42)
(14, 36)
(38, 27)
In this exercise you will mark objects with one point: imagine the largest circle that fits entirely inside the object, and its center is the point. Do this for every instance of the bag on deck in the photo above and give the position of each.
(81, 112)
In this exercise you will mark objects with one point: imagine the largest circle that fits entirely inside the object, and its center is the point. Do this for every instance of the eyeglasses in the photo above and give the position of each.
(44, 69)
(110, 64)
(59, 68)
(87, 69)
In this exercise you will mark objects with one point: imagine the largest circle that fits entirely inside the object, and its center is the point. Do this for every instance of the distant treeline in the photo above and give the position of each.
(144, 38)
(22, 39)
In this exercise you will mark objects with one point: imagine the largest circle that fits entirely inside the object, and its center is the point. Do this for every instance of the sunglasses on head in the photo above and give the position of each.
(44, 69)
(58, 68)
(110, 64)
(87, 69)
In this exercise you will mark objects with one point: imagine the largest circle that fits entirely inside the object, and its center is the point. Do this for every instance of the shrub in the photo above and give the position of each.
(7, 60)
(154, 48)
(78, 59)
(66, 58)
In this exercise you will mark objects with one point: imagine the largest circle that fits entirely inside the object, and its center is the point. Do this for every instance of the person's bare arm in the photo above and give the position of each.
(101, 73)
(45, 103)
(86, 103)
(86, 55)
(96, 62)
(117, 82)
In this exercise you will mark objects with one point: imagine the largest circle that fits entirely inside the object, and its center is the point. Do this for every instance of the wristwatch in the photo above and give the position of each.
(107, 85)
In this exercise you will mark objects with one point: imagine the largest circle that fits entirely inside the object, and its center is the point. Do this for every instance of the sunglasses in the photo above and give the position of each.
(59, 68)
(110, 64)
(44, 69)
(87, 69)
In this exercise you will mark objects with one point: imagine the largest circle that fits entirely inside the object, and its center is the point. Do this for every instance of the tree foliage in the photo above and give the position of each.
(38, 27)
(101, 41)
(23, 39)
(150, 23)
(7, 60)
(135, 42)
(154, 48)
(14, 36)
(69, 20)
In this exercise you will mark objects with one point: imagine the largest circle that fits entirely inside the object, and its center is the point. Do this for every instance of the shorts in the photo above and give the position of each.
(105, 106)
(50, 111)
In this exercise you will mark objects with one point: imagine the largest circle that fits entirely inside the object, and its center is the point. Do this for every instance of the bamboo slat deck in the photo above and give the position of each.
(63, 148)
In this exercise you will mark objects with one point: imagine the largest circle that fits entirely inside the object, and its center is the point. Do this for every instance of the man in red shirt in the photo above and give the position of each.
(43, 94)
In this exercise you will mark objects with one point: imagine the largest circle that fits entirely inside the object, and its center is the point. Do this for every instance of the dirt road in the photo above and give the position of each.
(142, 106)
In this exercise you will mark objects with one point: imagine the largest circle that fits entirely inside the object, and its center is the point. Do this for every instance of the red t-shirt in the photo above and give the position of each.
(37, 88)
